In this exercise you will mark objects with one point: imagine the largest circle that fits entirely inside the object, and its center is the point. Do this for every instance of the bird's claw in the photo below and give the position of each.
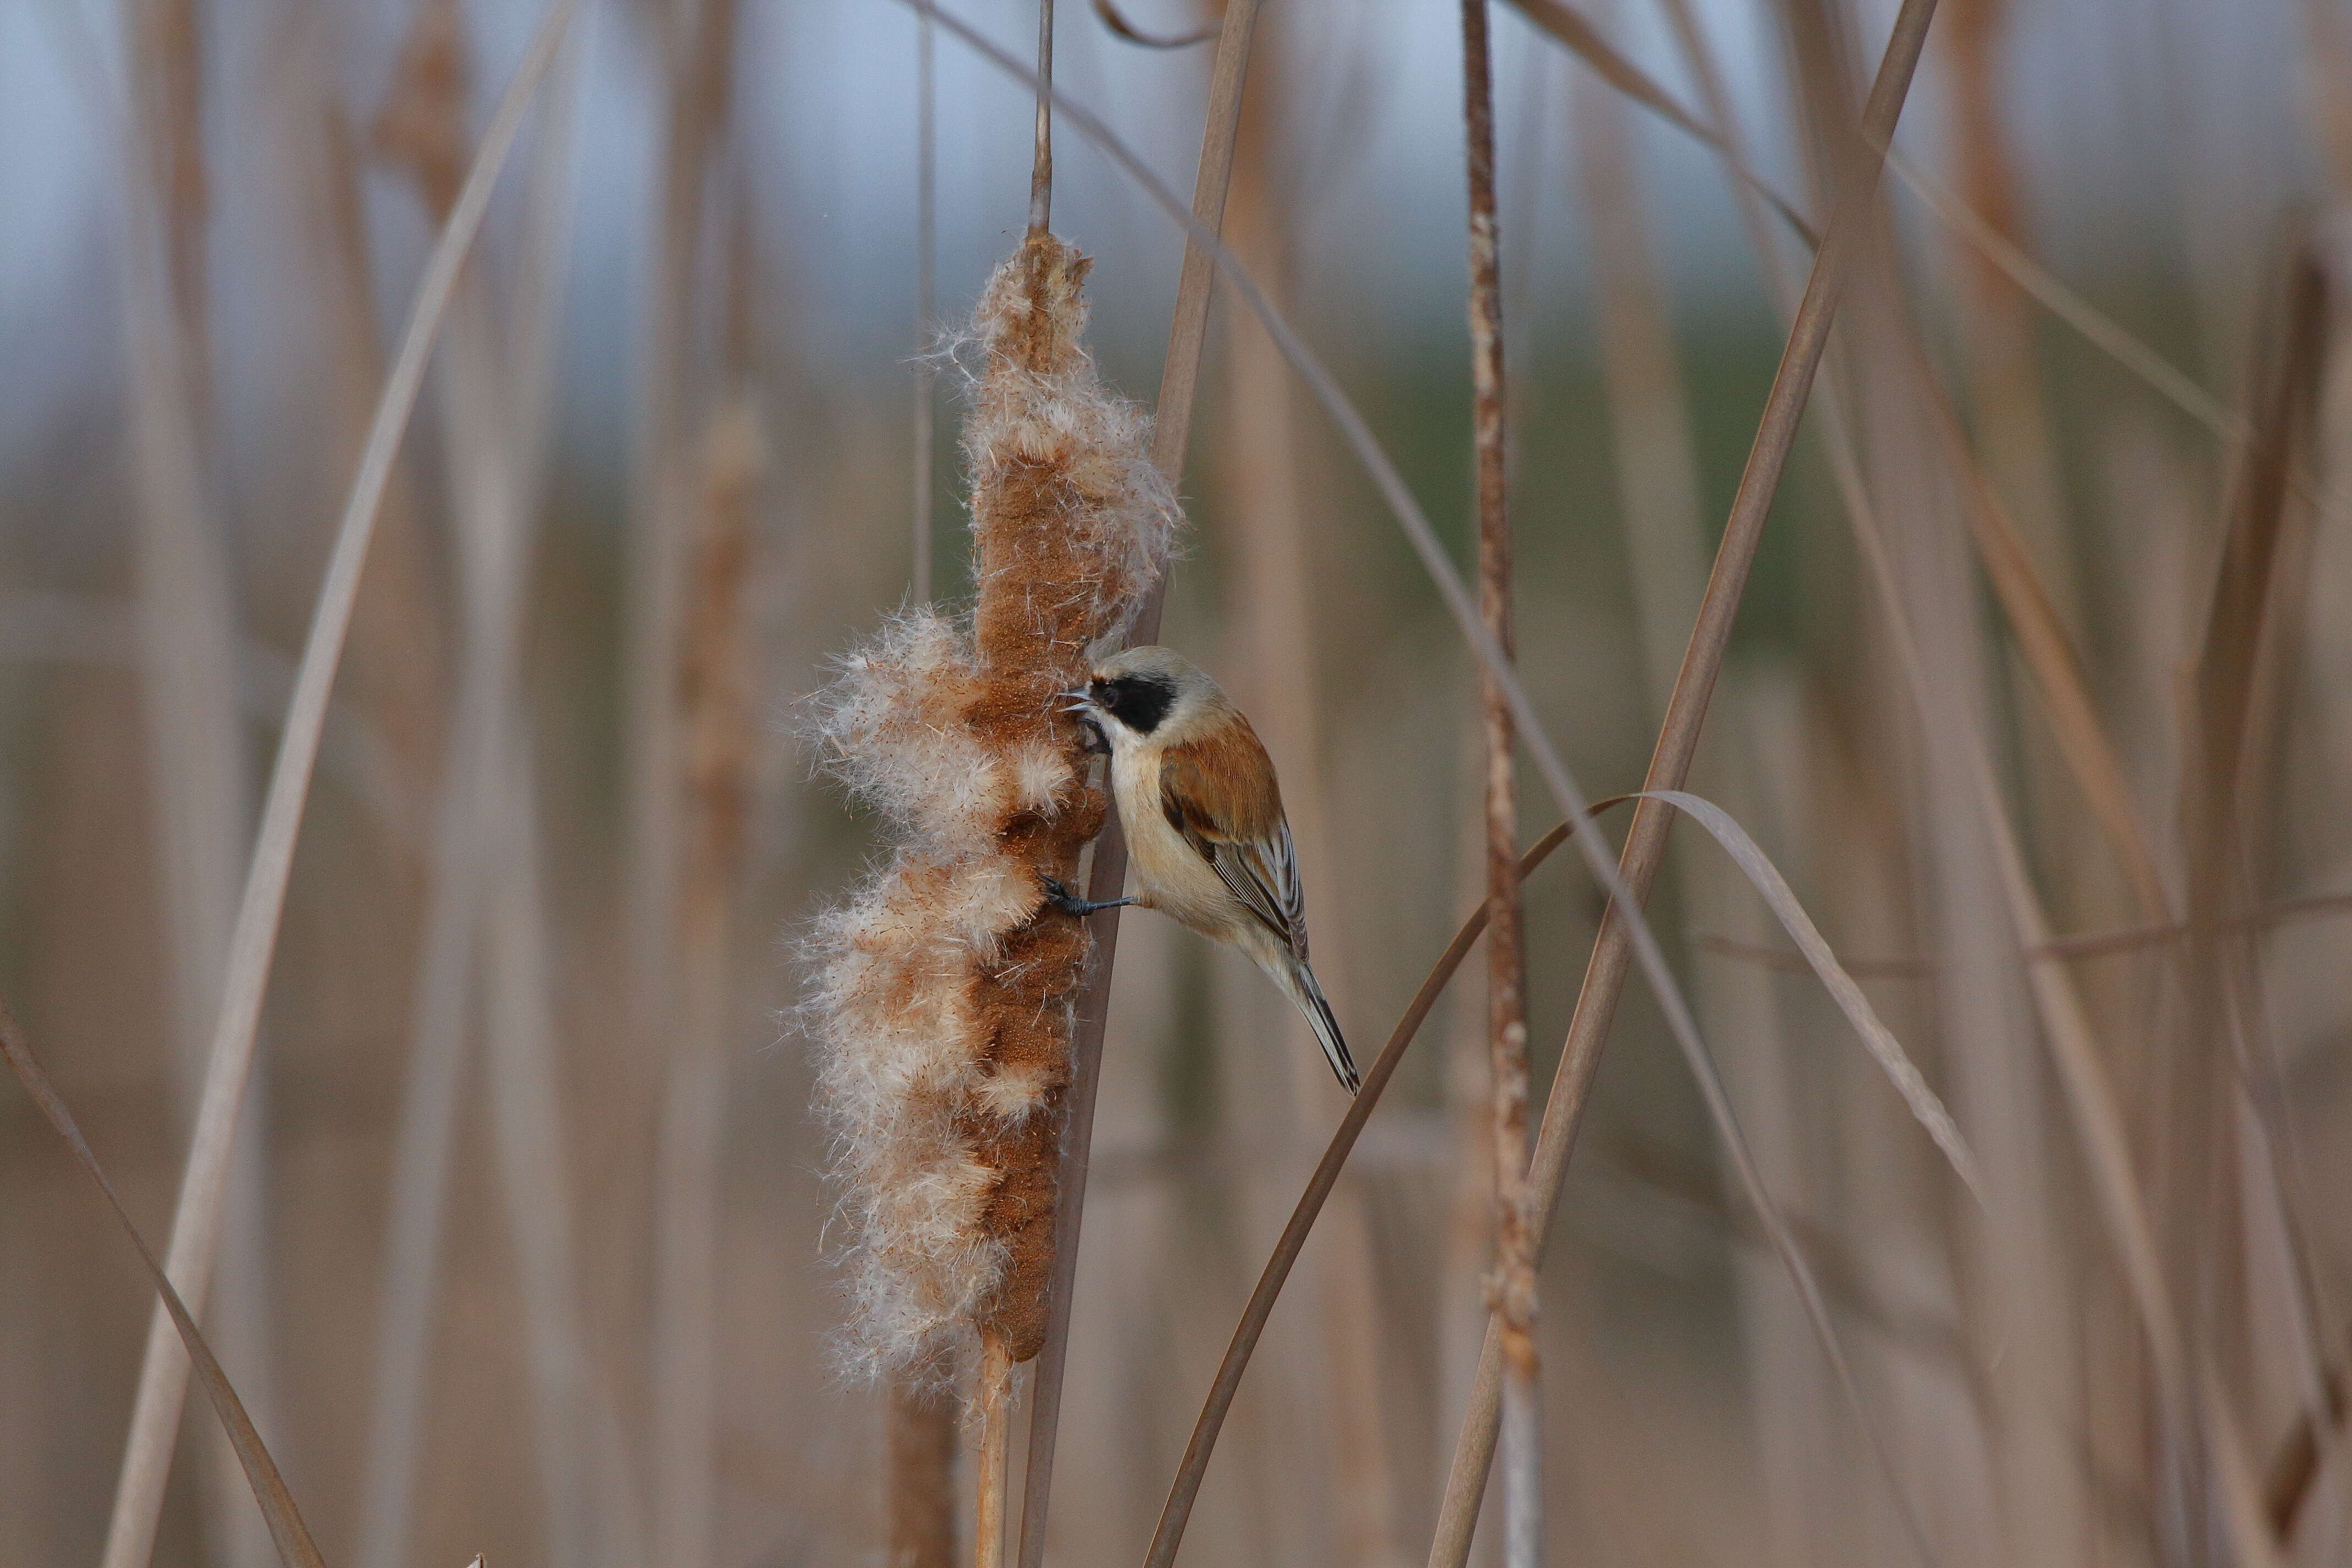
(1062, 898)
(1070, 904)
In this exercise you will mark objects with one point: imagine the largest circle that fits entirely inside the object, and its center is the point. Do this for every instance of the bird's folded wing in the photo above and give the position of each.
(1261, 869)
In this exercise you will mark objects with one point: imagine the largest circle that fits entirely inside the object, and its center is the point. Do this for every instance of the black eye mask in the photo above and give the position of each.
(1138, 701)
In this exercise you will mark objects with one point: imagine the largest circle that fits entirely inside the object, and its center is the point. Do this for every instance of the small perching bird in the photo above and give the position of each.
(1205, 832)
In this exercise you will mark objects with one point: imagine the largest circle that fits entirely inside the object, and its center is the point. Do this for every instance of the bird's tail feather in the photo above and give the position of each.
(1309, 996)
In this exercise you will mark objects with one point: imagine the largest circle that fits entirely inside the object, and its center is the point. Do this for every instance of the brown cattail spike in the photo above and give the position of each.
(945, 1003)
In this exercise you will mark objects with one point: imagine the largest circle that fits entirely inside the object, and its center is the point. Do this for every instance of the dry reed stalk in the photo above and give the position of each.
(920, 1432)
(2187, 1396)
(944, 1001)
(196, 1219)
(1678, 736)
(1511, 1290)
(2010, 1269)
(1170, 431)
(1468, 1257)
(421, 127)
(582, 1516)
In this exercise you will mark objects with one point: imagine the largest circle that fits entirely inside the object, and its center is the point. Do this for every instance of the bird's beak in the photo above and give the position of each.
(1079, 701)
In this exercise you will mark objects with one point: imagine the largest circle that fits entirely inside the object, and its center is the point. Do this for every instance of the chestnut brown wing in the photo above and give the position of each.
(1219, 793)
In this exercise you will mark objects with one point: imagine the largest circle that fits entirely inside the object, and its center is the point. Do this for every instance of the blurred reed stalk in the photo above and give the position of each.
(699, 39)
(486, 919)
(1282, 690)
(921, 1444)
(715, 712)
(197, 786)
(1655, 468)
(1511, 1290)
(1997, 351)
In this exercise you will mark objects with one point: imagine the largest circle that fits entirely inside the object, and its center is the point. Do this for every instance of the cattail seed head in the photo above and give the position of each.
(942, 1001)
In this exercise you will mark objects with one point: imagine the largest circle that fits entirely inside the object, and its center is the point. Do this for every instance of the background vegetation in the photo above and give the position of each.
(663, 471)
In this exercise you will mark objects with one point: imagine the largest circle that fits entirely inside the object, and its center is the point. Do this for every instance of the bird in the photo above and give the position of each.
(1205, 832)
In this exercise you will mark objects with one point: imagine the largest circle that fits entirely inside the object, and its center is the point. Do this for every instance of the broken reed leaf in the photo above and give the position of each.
(942, 1002)
(1876, 1038)
(287, 1530)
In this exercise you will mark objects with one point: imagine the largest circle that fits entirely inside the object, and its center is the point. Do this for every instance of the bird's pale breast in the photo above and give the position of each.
(1169, 874)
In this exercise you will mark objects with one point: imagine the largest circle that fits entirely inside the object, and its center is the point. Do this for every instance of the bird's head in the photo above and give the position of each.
(1144, 693)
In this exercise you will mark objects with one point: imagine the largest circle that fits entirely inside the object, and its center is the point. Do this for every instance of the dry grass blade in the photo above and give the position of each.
(1177, 1511)
(195, 1221)
(287, 1530)
(1884, 1048)
(1107, 875)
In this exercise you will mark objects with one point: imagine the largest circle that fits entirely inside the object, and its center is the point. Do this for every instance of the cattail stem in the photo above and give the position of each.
(995, 1447)
(1041, 163)
(1513, 1287)
(926, 245)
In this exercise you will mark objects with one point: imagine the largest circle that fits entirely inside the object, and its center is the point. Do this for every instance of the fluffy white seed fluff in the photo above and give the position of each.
(903, 1071)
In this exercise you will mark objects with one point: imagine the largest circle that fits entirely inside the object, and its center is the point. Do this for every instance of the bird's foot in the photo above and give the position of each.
(1070, 904)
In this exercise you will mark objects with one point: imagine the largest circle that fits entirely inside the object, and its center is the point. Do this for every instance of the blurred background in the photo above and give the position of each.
(525, 1242)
